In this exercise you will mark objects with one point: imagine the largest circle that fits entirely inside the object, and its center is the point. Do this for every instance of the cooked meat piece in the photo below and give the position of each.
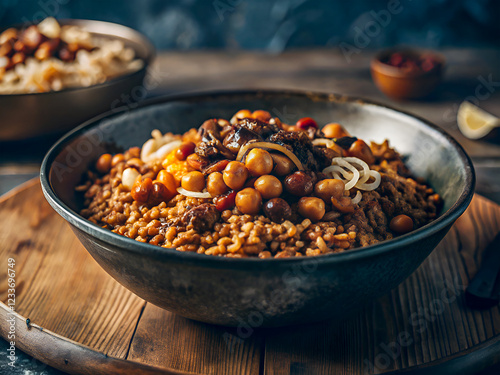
(324, 156)
(300, 144)
(365, 233)
(211, 147)
(238, 137)
(207, 151)
(209, 127)
(216, 166)
(263, 129)
(377, 218)
(202, 217)
(346, 142)
(314, 133)
(246, 130)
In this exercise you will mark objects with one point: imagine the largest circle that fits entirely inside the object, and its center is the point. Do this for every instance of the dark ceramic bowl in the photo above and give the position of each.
(259, 292)
(399, 83)
(26, 116)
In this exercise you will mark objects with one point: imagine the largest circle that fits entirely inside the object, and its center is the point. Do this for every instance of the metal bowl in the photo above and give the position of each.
(259, 292)
(26, 116)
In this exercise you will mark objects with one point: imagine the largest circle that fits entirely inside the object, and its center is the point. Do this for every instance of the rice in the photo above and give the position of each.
(96, 60)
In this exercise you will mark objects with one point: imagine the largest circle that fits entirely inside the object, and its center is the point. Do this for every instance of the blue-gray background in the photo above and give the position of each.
(275, 25)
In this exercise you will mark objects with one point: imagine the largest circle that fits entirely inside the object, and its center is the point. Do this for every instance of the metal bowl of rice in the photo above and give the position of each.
(248, 291)
(49, 96)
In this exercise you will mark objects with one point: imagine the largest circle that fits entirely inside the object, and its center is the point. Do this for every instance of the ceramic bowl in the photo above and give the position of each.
(259, 292)
(398, 83)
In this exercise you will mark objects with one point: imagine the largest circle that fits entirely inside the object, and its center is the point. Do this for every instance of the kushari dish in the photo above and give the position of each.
(256, 187)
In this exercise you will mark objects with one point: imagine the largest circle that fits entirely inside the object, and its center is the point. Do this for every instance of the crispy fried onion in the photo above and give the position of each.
(354, 172)
(273, 146)
(159, 146)
(193, 194)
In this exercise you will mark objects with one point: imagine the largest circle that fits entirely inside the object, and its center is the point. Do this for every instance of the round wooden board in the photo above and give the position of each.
(83, 322)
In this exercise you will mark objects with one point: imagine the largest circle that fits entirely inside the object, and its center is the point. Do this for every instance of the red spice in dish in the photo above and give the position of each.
(411, 62)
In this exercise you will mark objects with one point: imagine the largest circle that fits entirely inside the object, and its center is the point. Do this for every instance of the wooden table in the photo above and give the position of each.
(321, 70)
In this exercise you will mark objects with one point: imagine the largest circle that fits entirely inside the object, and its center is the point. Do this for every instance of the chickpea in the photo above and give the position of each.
(235, 174)
(261, 115)
(360, 149)
(283, 166)
(334, 130)
(265, 254)
(291, 128)
(129, 176)
(118, 158)
(141, 190)
(259, 162)
(216, 185)
(132, 152)
(248, 201)
(312, 208)
(343, 205)
(5, 49)
(193, 181)
(268, 186)
(8, 35)
(168, 180)
(241, 114)
(103, 164)
(223, 122)
(135, 163)
(184, 150)
(401, 224)
(278, 210)
(18, 58)
(326, 189)
(299, 183)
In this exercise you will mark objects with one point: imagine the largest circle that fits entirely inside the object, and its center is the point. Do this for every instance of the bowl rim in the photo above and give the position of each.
(171, 254)
(141, 38)
(392, 71)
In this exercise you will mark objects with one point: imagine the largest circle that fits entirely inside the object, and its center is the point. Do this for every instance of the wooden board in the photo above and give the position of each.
(82, 320)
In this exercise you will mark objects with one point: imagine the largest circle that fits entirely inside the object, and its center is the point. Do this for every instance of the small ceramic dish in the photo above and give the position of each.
(407, 73)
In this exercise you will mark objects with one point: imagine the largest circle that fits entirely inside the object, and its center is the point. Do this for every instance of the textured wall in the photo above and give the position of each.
(279, 24)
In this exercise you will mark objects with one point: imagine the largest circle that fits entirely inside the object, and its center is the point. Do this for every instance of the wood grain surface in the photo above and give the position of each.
(81, 319)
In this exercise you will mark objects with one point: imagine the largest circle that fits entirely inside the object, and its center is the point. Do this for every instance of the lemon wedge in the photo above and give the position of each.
(475, 122)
